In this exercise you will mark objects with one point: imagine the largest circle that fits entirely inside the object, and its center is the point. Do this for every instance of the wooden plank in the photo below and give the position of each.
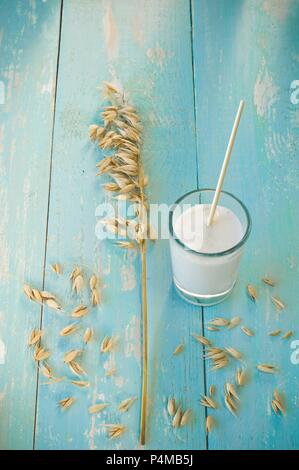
(28, 54)
(250, 50)
(146, 46)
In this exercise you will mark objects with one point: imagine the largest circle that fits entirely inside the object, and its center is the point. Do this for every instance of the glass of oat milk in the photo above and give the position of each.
(205, 259)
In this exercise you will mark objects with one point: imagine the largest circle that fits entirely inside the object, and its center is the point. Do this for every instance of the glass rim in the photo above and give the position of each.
(219, 253)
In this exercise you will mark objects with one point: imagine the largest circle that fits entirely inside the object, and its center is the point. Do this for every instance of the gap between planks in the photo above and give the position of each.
(48, 211)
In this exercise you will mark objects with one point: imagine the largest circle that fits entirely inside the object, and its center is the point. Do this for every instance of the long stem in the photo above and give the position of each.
(144, 344)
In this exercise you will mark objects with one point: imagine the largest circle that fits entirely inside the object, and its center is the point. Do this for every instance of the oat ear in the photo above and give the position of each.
(121, 135)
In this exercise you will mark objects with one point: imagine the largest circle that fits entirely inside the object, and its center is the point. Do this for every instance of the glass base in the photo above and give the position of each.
(202, 300)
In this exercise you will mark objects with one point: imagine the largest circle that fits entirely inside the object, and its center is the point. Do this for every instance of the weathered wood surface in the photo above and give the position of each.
(29, 35)
(254, 55)
(162, 53)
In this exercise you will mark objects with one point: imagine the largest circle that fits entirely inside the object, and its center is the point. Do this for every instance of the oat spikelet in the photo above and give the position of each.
(212, 390)
(277, 403)
(80, 311)
(41, 297)
(275, 332)
(178, 349)
(28, 291)
(35, 337)
(37, 295)
(52, 303)
(108, 344)
(278, 303)
(70, 356)
(93, 281)
(230, 390)
(95, 296)
(219, 321)
(252, 293)
(185, 418)
(201, 339)
(287, 335)
(80, 383)
(88, 334)
(234, 353)
(121, 136)
(66, 402)
(268, 281)
(54, 380)
(208, 402)
(97, 408)
(230, 404)
(46, 370)
(218, 357)
(126, 404)
(247, 331)
(209, 424)
(213, 328)
(76, 369)
(267, 368)
(69, 329)
(171, 406)
(274, 406)
(46, 295)
(220, 364)
(56, 268)
(214, 352)
(177, 418)
(77, 280)
(240, 377)
(41, 354)
(235, 321)
(115, 430)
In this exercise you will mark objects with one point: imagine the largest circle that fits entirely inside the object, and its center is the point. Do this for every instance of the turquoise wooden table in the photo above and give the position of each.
(185, 65)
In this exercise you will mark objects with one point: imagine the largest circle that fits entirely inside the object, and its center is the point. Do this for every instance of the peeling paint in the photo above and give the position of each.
(292, 262)
(137, 30)
(278, 144)
(111, 33)
(48, 87)
(92, 430)
(110, 363)
(132, 338)
(265, 93)
(277, 9)
(106, 268)
(119, 381)
(128, 274)
(157, 55)
(295, 118)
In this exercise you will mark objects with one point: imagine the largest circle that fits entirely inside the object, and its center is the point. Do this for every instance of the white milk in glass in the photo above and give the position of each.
(200, 268)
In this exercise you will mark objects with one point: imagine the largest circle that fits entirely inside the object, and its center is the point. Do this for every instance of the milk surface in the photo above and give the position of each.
(196, 273)
(224, 233)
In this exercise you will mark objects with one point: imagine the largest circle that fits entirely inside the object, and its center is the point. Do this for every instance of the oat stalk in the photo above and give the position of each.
(121, 137)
